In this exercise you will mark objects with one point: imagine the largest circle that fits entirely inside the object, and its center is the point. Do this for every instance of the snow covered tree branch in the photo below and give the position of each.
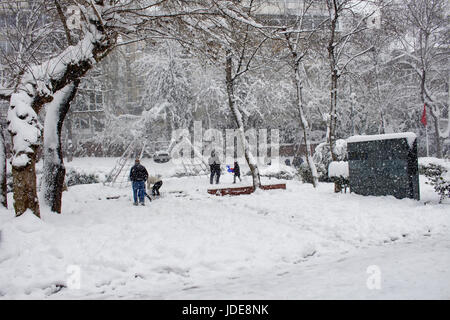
(98, 27)
(298, 45)
(424, 39)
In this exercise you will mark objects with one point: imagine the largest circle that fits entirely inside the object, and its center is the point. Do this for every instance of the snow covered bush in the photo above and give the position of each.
(278, 172)
(322, 156)
(422, 168)
(322, 159)
(305, 173)
(100, 146)
(74, 177)
(181, 172)
(437, 177)
(338, 173)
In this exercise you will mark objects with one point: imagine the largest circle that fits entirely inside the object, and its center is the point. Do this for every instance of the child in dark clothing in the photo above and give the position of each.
(237, 172)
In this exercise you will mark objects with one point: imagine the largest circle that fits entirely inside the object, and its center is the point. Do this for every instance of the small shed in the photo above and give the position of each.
(384, 164)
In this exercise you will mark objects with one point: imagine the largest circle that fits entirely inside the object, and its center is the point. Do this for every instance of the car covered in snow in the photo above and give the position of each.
(161, 157)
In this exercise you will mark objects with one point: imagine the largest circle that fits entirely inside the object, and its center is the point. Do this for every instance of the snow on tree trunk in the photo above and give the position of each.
(437, 137)
(436, 118)
(26, 134)
(70, 146)
(54, 170)
(3, 190)
(331, 130)
(36, 88)
(251, 161)
(444, 134)
(333, 117)
(305, 127)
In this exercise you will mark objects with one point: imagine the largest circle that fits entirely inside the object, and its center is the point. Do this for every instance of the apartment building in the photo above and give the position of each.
(285, 12)
(112, 87)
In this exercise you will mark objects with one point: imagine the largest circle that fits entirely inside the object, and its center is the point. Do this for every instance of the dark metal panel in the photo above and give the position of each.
(384, 167)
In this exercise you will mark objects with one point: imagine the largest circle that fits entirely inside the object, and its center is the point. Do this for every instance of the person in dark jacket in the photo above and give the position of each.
(214, 166)
(236, 171)
(138, 176)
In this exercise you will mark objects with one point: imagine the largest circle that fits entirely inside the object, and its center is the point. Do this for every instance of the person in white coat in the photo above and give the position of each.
(155, 183)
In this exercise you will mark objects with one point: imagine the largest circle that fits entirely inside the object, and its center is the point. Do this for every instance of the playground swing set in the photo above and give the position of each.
(197, 165)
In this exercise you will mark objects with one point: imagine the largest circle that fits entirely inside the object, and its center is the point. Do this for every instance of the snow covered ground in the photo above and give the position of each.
(279, 244)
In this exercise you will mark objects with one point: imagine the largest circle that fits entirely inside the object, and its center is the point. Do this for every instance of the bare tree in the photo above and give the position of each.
(230, 38)
(31, 35)
(423, 33)
(343, 23)
(298, 38)
(242, 41)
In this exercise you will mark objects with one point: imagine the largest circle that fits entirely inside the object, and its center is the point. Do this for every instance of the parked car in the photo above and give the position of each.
(161, 157)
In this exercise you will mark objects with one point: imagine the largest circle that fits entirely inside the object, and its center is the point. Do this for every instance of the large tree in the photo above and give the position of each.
(51, 80)
(345, 20)
(297, 37)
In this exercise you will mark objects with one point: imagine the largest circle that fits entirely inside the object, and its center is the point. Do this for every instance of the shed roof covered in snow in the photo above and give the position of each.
(409, 136)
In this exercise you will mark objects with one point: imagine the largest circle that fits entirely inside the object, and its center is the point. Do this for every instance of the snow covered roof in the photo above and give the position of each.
(409, 136)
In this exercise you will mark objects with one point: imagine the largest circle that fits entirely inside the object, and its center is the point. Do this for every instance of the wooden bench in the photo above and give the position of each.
(244, 190)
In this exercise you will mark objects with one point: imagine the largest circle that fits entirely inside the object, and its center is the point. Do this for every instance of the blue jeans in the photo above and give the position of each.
(138, 191)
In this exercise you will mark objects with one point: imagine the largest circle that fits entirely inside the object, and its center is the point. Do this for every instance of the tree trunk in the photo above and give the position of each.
(333, 121)
(437, 137)
(239, 122)
(24, 187)
(435, 117)
(333, 117)
(24, 127)
(70, 143)
(382, 128)
(305, 125)
(333, 85)
(3, 184)
(54, 170)
(32, 92)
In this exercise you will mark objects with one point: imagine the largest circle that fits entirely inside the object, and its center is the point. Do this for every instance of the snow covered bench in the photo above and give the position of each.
(338, 173)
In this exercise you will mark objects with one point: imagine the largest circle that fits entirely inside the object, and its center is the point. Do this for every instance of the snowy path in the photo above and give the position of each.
(291, 244)
(408, 270)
